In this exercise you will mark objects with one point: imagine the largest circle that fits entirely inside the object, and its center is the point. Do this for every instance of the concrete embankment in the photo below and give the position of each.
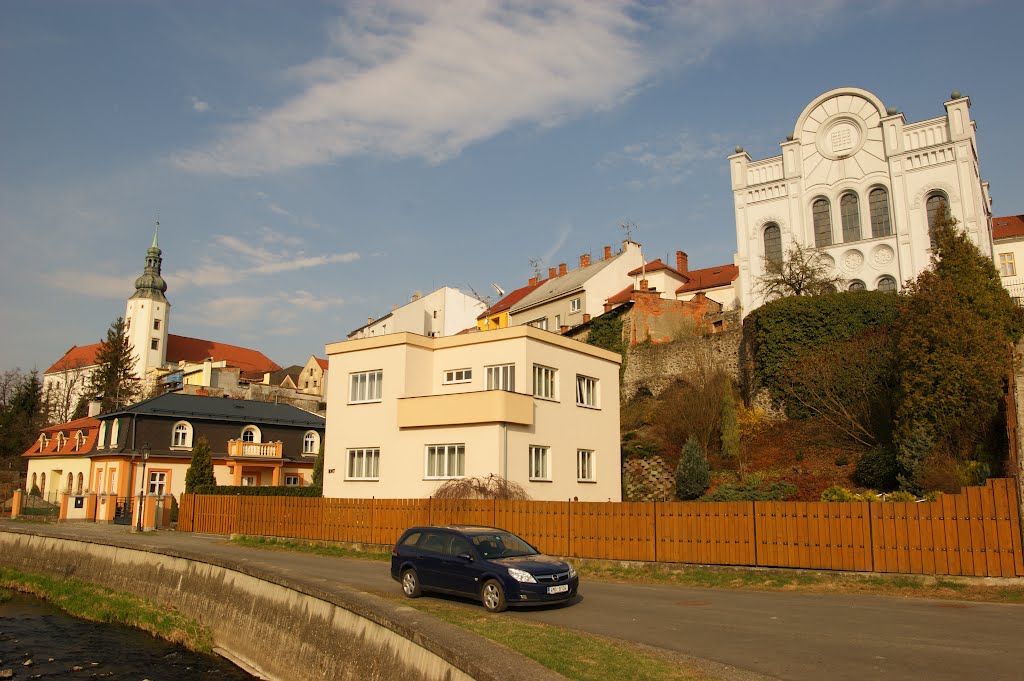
(281, 627)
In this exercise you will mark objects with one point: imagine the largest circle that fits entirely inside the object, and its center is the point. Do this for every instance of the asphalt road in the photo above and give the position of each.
(787, 635)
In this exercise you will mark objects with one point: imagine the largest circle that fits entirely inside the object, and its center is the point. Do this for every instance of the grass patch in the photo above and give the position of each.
(320, 548)
(575, 655)
(99, 604)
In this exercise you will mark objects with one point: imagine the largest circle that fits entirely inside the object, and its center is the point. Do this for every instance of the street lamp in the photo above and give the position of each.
(142, 491)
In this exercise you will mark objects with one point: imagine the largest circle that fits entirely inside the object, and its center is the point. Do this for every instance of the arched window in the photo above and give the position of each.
(182, 436)
(251, 434)
(878, 200)
(772, 242)
(821, 210)
(114, 428)
(311, 442)
(849, 211)
(81, 480)
(35, 480)
(71, 481)
(936, 206)
(856, 285)
(101, 442)
(61, 440)
(42, 485)
(43, 442)
(79, 440)
(887, 284)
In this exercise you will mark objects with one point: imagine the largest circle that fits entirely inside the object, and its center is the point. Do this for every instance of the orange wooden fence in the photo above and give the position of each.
(976, 532)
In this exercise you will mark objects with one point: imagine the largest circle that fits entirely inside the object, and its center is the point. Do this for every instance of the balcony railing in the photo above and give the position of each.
(261, 450)
(488, 406)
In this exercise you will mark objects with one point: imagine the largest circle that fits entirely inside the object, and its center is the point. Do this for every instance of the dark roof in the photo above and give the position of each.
(180, 405)
(277, 376)
(710, 277)
(1008, 226)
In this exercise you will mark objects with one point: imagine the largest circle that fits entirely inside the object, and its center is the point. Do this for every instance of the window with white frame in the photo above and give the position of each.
(446, 461)
(365, 386)
(458, 376)
(575, 305)
(157, 482)
(539, 469)
(311, 442)
(363, 464)
(182, 435)
(501, 377)
(586, 391)
(291, 481)
(251, 434)
(544, 382)
(1007, 267)
(101, 441)
(541, 323)
(115, 426)
(585, 471)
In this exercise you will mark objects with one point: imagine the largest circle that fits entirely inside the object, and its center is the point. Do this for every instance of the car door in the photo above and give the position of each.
(431, 550)
(460, 574)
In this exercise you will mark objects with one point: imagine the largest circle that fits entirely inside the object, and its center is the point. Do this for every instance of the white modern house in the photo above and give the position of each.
(444, 312)
(860, 184)
(1008, 246)
(406, 412)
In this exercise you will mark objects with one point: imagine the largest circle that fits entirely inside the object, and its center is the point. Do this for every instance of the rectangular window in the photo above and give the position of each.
(1007, 267)
(585, 466)
(544, 382)
(365, 387)
(541, 323)
(446, 461)
(154, 344)
(539, 463)
(157, 482)
(458, 376)
(502, 377)
(156, 324)
(575, 305)
(363, 464)
(586, 391)
(291, 481)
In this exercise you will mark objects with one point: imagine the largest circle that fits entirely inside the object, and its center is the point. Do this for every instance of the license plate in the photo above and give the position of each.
(560, 589)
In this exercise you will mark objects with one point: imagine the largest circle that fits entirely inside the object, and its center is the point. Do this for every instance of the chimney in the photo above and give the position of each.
(682, 262)
(532, 282)
(552, 273)
(561, 269)
(607, 307)
(95, 407)
(585, 260)
(563, 329)
(643, 284)
(369, 320)
(416, 296)
(586, 318)
(607, 252)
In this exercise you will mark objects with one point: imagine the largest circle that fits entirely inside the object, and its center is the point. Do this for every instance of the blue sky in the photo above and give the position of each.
(313, 164)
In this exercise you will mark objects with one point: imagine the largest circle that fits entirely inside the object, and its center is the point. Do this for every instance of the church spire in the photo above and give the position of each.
(151, 285)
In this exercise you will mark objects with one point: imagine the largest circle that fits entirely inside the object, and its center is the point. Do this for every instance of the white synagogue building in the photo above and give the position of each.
(861, 185)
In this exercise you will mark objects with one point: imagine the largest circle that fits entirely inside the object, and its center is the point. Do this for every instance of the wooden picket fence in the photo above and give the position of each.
(976, 532)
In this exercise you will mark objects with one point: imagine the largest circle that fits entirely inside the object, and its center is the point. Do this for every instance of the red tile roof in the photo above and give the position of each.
(511, 299)
(1009, 226)
(88, 425)
(710, 277)
(655, 266)
(321, 362)
(623, 296)
(181, 348)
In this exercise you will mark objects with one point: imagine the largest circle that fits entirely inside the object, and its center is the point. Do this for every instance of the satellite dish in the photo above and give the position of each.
(499, 289)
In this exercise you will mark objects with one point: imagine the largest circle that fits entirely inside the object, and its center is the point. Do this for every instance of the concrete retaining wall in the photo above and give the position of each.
(282, 630)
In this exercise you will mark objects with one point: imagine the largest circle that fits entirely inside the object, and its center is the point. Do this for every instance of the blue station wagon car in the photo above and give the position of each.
(492, 565)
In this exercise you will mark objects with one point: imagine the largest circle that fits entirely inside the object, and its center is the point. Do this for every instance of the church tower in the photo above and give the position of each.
(148, 314)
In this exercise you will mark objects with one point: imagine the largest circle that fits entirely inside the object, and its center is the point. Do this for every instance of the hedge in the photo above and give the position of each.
(253, 491)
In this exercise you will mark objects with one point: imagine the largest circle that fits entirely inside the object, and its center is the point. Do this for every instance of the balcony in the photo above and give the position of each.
(255, 450)
(489, 406)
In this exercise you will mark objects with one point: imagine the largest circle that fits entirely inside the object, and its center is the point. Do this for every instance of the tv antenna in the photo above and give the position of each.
(535, 264)
(628, 227)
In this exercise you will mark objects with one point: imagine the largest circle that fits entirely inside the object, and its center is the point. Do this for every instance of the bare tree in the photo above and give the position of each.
(489, 487)
(64, 389)
(802, 272)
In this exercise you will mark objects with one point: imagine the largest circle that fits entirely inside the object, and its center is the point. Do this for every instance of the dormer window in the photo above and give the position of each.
(79, 440)
(251, 434)
(43, 442)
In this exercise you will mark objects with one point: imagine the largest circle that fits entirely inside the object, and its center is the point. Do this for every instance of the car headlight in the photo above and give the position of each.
(572, 571)
(521, 576)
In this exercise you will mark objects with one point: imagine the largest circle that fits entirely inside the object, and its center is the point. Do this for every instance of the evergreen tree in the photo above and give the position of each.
(318, 468)
(114, 381)
(693, 475)
(730, 428)
(23, 415)
(200, 471)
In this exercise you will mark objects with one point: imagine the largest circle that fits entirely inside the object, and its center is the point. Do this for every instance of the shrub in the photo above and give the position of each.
(252, 491)
(200, 471)
(932, 496)
(693, 475)
(900, 495)
(877, 469)
(632, 448)
(753, 490)
(842, 460)
(34, 492)
(730, 428)
(751, 421)
(837, 493)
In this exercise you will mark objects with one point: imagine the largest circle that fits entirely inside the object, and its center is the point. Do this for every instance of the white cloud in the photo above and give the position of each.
(284, 308)
(668, 160)
(198, 104)
(91, 284)
(427, 79)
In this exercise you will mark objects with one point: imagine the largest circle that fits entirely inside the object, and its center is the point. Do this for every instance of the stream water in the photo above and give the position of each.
(64, 647)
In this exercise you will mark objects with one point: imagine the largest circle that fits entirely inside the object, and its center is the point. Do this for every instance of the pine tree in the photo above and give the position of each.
(22, 417)
(114, 381)
(200, 471)
(693, 475)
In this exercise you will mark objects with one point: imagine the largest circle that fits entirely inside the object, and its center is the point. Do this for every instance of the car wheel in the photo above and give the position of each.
(493, 596)
(411, 584)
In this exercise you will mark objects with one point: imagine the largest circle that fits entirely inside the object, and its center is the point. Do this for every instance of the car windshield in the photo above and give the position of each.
(501, 545)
